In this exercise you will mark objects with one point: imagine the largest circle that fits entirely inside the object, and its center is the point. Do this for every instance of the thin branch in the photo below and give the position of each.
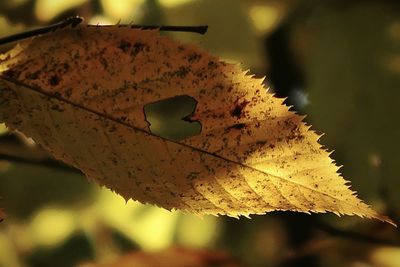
(74, 21)
(195, 29)
(49, 163)
(335, 232)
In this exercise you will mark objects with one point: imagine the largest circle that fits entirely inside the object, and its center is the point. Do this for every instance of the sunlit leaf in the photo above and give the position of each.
(82, 93)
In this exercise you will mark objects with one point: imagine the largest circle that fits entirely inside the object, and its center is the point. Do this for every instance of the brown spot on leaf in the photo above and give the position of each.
(124, 46)
(238, 110)
(139, 47)
(11, 73)
(54, 80)
(212, 64)
(194, 57)
(182, 71)
(66, 67)
(68, 92)
(33, 75)
(237, 126)
(56, 107)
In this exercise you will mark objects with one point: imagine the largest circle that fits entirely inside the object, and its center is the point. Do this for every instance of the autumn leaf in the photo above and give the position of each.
(171, 257)
(82, 94)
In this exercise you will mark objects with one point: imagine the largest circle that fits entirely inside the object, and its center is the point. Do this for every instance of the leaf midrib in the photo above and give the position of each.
(37, 90)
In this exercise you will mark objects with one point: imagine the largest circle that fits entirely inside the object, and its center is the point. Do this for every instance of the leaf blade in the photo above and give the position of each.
(233, 175)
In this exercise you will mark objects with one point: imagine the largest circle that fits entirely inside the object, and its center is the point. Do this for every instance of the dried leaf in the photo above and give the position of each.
(81, 92)
(172, 257)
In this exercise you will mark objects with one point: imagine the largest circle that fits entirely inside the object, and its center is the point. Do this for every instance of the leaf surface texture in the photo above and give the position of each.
(80, 93)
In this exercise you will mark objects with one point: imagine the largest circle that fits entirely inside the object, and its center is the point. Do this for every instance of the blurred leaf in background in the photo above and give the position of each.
(172, 257)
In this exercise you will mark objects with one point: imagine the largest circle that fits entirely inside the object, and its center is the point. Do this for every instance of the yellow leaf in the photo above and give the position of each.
(81, 93)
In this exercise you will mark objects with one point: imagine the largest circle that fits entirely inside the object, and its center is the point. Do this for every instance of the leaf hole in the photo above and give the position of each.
(170, 117)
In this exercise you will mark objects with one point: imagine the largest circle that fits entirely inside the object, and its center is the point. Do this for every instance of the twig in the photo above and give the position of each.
(356, 236)
(42, 162)
(195, 29)
(74, 21)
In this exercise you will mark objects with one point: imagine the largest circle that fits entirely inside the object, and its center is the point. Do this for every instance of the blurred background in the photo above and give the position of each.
(336, 61)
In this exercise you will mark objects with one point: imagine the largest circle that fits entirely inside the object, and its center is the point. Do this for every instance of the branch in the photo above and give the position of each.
(74, 21)
(194, 29)
(13, 149)
(49, 163)
(356, 236)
